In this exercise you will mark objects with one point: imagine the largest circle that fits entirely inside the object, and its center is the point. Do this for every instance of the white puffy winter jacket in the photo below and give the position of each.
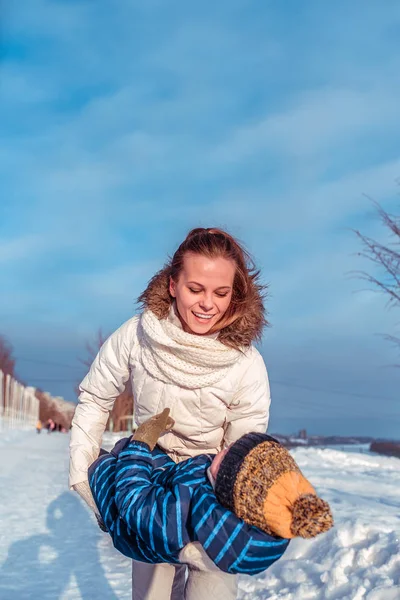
(206, 419)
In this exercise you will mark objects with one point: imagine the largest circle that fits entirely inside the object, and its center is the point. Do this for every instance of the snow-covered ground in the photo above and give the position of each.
(52, 549)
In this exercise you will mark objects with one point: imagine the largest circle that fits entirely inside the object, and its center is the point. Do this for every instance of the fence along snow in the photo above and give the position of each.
(19, 407)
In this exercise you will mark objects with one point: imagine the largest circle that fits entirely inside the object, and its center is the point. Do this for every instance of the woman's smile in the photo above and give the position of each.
(202, 317)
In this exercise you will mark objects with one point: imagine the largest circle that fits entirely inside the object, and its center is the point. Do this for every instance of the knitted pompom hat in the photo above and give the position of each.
(261, 483)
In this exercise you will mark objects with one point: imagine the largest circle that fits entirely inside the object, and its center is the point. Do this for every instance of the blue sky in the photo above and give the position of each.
(126, 124)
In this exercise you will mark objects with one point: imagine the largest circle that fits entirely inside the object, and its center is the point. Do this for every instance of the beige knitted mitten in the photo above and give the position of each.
(85, 493)
(150, 431)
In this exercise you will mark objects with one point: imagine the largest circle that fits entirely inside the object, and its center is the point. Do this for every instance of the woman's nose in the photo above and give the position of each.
(206, 302)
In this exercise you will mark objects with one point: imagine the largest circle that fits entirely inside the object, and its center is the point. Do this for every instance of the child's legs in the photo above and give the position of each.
(157, 582)
(210, 585)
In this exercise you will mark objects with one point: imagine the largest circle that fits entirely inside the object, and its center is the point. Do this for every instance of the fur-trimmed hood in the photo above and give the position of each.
(245, 330)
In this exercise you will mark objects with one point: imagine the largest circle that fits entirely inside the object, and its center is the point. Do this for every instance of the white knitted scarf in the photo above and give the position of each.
(173, 356)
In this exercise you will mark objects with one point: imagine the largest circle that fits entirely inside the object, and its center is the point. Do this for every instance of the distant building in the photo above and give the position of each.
(303, 434)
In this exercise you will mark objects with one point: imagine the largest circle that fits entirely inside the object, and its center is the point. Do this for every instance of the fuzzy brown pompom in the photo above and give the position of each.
(310, 516)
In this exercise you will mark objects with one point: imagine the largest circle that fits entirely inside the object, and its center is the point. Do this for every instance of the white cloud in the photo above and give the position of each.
(19, 248)
(318, 206)
(118, 283)
(198, 118)
(19, 85)
(318, 122)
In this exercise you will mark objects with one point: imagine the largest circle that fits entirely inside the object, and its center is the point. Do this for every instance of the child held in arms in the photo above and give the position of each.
(234, 511)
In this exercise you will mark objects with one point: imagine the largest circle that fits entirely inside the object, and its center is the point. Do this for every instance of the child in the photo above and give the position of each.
(155, 509)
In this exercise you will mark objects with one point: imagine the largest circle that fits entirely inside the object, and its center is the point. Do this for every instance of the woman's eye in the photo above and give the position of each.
(199, 291)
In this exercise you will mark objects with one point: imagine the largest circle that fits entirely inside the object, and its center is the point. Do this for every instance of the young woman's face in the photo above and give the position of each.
(203, 291)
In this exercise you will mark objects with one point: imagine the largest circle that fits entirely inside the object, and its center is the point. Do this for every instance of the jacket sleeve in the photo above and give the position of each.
(104, 382)
(154, 512)
(233, 545)
(249, 409)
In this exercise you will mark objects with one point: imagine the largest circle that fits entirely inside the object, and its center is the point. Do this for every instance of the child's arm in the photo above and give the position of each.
(154, 512)
(233, 545)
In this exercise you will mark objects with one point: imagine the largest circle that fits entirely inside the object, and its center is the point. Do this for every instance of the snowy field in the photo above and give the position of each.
(52, 549)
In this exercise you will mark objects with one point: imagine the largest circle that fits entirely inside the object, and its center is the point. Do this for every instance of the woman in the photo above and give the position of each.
(191, 350)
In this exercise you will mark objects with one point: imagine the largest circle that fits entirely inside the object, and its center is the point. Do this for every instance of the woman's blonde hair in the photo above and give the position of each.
(244, 319)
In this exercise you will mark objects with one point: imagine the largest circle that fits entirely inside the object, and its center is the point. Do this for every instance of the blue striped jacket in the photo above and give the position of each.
(153, 507)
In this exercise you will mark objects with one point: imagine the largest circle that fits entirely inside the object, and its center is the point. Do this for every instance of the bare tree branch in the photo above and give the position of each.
(387, 259)
(123, 405)
(92, 348)
(7, 361)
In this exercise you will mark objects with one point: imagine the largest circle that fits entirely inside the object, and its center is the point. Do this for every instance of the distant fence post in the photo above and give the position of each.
(2, 384)
(19, 407)
(7, 397)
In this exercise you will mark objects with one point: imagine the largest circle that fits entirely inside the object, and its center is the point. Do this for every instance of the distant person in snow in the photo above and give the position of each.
(39, 426)
(191, 348)
(252, 494)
